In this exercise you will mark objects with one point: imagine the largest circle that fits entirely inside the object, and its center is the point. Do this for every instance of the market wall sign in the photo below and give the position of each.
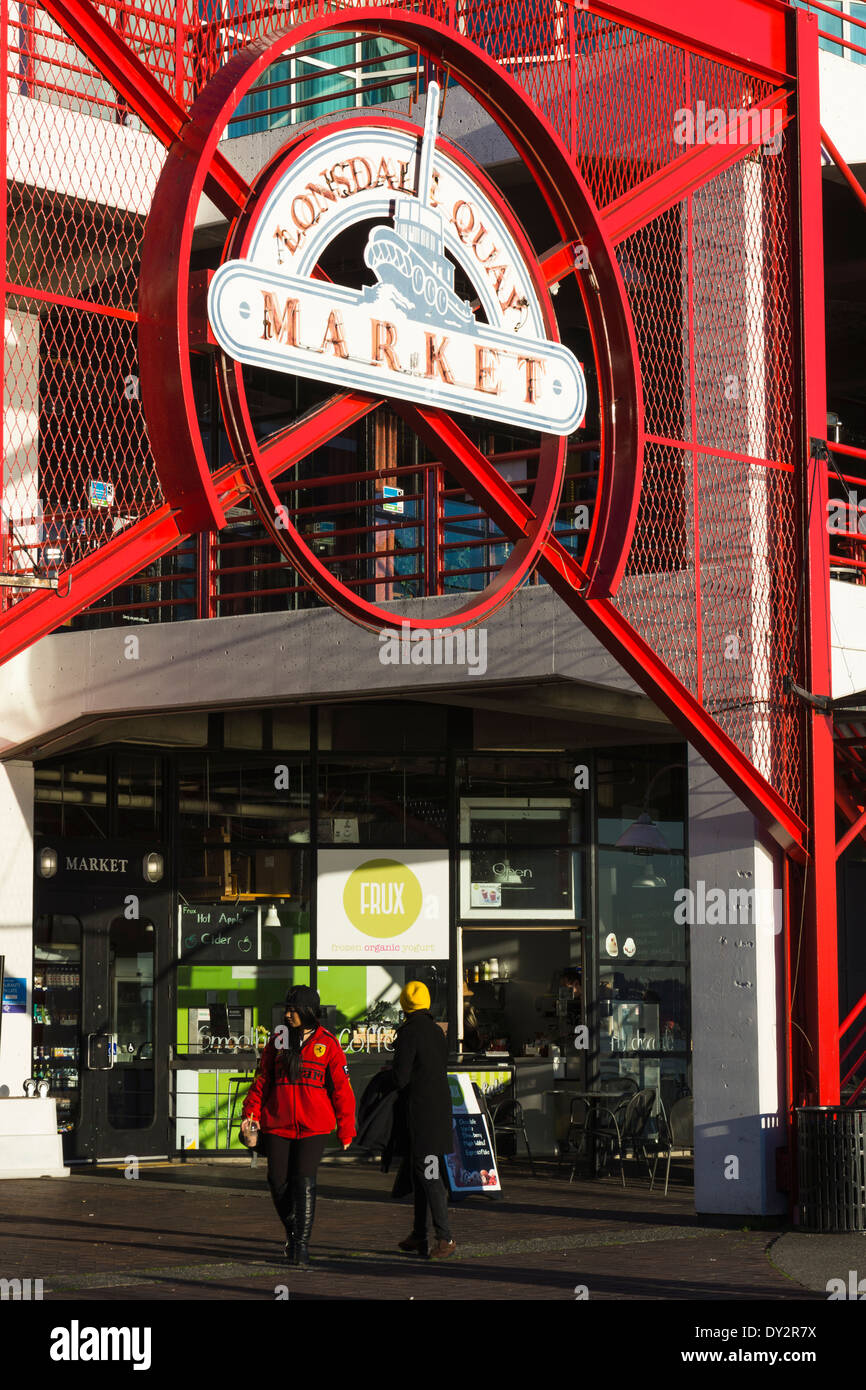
(88, 863)
(389, 903)
(409, 335)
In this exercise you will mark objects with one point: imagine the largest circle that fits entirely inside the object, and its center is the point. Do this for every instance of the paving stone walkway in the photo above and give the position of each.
(207, 1231)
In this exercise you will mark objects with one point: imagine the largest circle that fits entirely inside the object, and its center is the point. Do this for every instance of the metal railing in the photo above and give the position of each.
(439, 543)
(846, 518)
(858, 1065)
(849, 39)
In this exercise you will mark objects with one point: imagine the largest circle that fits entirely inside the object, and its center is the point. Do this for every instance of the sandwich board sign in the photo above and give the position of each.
(471, 1166)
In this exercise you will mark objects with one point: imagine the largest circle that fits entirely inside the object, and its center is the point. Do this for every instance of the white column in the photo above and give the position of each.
(737, 988)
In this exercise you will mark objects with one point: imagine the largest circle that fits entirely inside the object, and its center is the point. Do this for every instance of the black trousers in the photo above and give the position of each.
(289, 1159)
(428, 1180)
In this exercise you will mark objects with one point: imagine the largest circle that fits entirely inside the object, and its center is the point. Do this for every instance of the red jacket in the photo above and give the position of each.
(321, 1098)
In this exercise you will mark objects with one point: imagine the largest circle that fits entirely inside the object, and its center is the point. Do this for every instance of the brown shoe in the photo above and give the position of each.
(414, 1245)
(442, 1249)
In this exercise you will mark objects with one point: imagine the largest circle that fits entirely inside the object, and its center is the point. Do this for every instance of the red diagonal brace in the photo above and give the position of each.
(851, 833)
(562, 572)
(703, 162)
(140, 544)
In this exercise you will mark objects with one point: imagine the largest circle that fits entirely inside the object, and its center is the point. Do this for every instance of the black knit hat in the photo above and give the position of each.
(304, 1000)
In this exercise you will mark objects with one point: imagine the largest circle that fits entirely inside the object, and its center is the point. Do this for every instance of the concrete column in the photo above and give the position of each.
(16, 917)
(737, 986)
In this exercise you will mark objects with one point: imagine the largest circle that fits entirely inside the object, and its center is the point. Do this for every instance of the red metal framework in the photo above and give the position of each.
(693, 293)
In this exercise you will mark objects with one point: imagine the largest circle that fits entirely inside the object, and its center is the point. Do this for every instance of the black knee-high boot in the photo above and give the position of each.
(289, 1219)
(304, 1190)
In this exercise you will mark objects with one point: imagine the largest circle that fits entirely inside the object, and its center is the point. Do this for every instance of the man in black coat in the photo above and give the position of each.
(421, 1075)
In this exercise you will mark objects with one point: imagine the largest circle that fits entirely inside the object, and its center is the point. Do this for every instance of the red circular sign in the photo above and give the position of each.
(195, 165)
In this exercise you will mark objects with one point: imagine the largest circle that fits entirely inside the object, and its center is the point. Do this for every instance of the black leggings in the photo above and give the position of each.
(289, 1159)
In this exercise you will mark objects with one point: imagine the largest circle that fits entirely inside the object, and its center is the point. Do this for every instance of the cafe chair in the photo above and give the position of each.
(507, 1118)
(676, 1131)
(622, 1126)
(619, 1085)
(580, 1116)
(583, 1126)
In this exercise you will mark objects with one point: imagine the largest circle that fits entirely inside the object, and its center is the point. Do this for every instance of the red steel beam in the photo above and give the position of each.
(818, 984)
(667, 187)
(142, 92)
(139, 545)
(749, 33)
(562, 572)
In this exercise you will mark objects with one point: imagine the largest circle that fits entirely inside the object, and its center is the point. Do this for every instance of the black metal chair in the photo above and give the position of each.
(578, 1128)
(507, 1118)
(622, 1126)
(580, 1133)
(676, 1131)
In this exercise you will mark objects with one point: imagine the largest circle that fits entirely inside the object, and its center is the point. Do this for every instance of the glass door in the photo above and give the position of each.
(57, 1013)
(100, 1003)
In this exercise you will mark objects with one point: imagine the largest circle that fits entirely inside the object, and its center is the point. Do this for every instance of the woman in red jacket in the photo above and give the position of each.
(300, 1092)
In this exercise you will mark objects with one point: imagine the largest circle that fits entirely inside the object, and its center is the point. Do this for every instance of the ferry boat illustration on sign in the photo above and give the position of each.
(410, 260)
(409, 335)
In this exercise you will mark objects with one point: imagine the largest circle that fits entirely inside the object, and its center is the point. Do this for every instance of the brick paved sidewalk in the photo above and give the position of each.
(207, 1230)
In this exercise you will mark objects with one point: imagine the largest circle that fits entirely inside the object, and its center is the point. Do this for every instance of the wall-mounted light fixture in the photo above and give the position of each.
(47, 863)
(153, 867)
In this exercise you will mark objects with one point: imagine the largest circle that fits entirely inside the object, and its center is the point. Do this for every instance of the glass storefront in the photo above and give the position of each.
(556, 950)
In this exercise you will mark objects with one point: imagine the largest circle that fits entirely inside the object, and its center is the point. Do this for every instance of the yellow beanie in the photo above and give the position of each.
(416, 995)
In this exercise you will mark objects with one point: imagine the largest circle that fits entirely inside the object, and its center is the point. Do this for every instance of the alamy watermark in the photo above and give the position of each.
(855, 1289)
(734, 907)
(434, 647)
(21, 1290)
(847, 516)
(714, 125)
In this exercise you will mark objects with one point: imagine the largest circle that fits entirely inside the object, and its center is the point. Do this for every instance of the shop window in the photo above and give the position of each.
(290, 728)
(245, 931)
(637, 906)
(285, 931)
(517, 863)
(643, 1010)
(227, 1013)
(386, 727)
(383, 803)
(502, 776)
(361, 999)
(523, 991)
(222, 802)
(80, 790)
(226, 1010)
(243, 729)
(139, 791)
(669, 1076)
(641, 799)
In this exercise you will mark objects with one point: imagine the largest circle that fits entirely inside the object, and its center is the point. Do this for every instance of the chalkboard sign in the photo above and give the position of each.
(471, 1166)
(215, 932)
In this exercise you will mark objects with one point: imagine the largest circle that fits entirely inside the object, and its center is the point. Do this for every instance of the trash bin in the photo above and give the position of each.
(831, 1168)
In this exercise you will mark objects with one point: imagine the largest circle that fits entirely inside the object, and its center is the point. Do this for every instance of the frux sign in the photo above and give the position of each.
(390, 903)
(409, 335)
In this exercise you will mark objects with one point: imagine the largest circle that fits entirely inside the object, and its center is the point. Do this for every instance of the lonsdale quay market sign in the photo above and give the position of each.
(408, 335)
(378, 260)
